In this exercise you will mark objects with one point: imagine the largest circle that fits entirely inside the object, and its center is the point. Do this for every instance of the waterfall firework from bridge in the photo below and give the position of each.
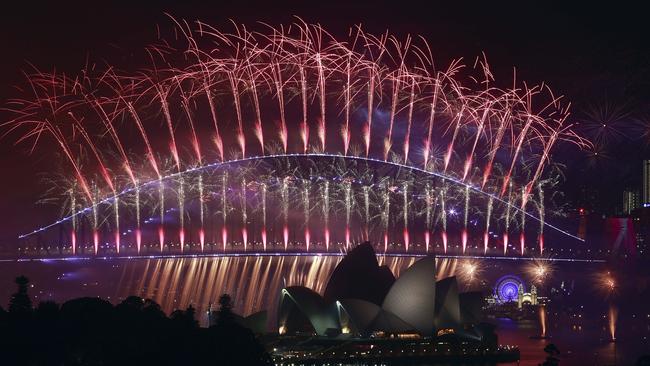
(288, 139)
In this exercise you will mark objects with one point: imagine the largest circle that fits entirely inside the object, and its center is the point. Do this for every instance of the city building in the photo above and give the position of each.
(646, 182)
(526, 297)
(631, 201)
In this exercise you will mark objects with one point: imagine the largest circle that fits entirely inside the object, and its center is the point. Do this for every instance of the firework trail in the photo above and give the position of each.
(465, 219)
(520, 141)
(611, 320)
(108, 123)
(224, 210)
(196, 147)
(116, 205)
(305, 205)
(264, 188)
(234, 87)
(170, 126)
(386, 214)
(258, 131)
(388, 142)
(522, 237)
(366, 211)
(405, 203)
(57, 134)
(218, 142)
(347, 187)
(443, 217)
(430, 203)
(432, 114)
(279, 94)
(138, 232)
(488, 216)
(315, 81)
(325, 196)
(93, 148)
(321, 90)
(542, 320)
(345, 130)
(507, 220)
(504, 123)
(468, 162)
(371, 96)
(285, 210)
(73, 210)
(407, 137)
(201, 212)
(181, 212)
(161, 227)
(540, 206)
(450, 147)
(95, 222)
(244, 215)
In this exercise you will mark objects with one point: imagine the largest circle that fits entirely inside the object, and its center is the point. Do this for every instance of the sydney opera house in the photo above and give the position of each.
(364, 299)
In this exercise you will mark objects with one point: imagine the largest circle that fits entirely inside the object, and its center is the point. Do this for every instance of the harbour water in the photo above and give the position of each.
(255, 282)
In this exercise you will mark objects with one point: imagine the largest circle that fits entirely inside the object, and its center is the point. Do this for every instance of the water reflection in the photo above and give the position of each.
(253, 282)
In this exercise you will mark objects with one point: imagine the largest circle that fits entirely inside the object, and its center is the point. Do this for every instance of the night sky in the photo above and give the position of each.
(597, 57)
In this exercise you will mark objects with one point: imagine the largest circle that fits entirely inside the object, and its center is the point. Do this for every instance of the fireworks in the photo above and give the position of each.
(608, 122)
(612, 316)
(542, 320)
(469, 270)
(606, 283)
(230, 102)
(539, 271)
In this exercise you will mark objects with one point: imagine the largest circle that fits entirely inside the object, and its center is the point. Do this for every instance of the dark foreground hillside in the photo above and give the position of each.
(91, 331)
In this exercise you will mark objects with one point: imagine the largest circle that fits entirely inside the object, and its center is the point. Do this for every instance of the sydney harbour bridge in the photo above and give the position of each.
(291, 141)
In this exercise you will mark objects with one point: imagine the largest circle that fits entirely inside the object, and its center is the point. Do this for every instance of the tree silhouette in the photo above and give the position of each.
(185, 318)
(47, 312)
(190, 315)
(132, 302)
(152, 311)
(91, 331)
(225, 315)
(643, 361)
(20, 302)
(248, 350)
(552, 352)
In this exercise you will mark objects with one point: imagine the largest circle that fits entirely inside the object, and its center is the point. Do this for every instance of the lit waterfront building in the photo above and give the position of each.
(646, 182)
(413, 305)
(630, 201)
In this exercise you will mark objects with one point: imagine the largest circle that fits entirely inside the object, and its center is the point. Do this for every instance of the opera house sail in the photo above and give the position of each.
(363, 299)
